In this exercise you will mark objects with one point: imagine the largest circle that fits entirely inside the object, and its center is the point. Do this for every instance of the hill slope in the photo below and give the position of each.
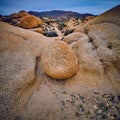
(59, 14)
(111, 16)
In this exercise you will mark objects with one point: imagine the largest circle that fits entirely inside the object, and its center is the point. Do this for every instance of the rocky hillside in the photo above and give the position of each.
(47, 26)
(22, 19)
(59, 14)
(70, 77)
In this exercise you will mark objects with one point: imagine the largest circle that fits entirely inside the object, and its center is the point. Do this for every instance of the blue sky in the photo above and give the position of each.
(82, 6)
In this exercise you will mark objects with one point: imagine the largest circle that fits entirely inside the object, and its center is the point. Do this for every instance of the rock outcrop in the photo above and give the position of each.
(104, 34)
(105, 38)
(20, 14)
(19, 49)
(20, 68)
(30, 22)
(110, 16)
(73, 37)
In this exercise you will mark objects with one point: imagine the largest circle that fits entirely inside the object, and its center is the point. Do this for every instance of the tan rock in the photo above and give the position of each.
(89, 18)
(30, 22)
(79, 29)
(21, 14)
(104, 32)
(18, 50)
(106, 38)
(59, 61)
(73, 37)
(39, 30)
(111, 16)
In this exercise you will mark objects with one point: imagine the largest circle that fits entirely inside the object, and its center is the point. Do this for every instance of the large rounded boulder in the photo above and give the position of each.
(59, 60)
(30, 21)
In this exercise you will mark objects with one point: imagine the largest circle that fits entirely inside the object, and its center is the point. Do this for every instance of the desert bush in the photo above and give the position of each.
(67, 32)
(61, 24)
(50, 34)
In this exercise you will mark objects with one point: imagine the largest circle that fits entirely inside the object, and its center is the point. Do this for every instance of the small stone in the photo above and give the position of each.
(81, 108)
(64, 92)
(119, 98)
(112, 118)
(95, 92)
(77, 114)
(68, 100)
(111, 98)
(99, 111)
(104, 116)
(107, 105)
(95, 107)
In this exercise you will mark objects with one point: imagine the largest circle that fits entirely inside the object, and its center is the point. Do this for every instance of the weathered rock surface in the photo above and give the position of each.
(73, 37)
(79, 28)
(18, 50)
(21, 14)
(30, 21)
(59, 60)
(110, 16)
(104, 34)
(106, 40)
(39, 30)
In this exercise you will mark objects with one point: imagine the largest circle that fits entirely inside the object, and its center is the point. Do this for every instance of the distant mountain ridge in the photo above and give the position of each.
(59, 14)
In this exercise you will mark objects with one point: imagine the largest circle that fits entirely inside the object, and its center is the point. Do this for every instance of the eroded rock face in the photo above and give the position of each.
(59, 61)
(75, 36)
(106, 39)
(104, 34)
(18, 51)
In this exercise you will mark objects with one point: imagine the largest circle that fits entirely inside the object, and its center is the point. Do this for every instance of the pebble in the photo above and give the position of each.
(95, 92)
(97, 107)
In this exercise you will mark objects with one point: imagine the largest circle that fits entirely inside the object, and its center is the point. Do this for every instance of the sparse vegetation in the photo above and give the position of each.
(50, 34)
(61, 24)
(67, 32)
